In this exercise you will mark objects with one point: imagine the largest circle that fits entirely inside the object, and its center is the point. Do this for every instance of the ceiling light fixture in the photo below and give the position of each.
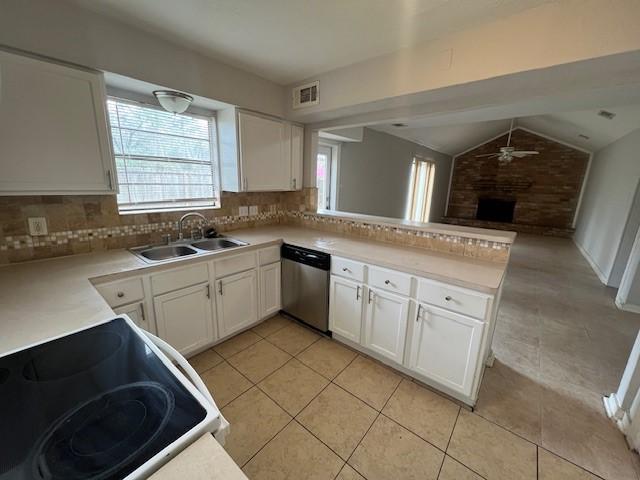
(172, 101)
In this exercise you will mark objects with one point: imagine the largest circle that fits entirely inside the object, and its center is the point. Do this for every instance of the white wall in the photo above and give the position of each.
(607, 201)
(63, 31)
(373, 175)
(552, 34)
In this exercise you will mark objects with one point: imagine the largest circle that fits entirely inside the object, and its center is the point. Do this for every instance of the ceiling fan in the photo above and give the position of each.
(508, 153)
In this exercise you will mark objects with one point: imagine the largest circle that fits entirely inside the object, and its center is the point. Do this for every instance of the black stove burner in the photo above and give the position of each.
(93, 405)
(101, 436)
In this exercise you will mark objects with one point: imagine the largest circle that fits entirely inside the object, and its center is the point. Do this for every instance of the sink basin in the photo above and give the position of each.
(165, 252)
(218, 243)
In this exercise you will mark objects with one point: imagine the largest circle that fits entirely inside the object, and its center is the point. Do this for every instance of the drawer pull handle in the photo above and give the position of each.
(387, 282)
(448, 298)
(120, 294)
(345, 269)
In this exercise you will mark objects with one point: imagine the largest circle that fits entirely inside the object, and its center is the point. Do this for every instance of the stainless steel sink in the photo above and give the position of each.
(218, 243)
(184, 248)
(164, 252)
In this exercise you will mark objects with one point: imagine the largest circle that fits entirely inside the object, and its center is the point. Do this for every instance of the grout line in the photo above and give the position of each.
(267, 442)
(453, 430)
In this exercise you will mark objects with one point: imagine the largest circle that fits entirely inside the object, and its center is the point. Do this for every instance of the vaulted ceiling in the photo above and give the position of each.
(289, 40)
(570, 127)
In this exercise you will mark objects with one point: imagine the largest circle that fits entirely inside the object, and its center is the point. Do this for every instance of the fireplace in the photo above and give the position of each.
(495, 210)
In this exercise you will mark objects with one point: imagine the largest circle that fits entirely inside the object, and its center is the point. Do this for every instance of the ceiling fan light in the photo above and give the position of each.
(172, 101)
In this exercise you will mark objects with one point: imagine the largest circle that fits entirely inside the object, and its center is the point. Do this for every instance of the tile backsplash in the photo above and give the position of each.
(83, 224)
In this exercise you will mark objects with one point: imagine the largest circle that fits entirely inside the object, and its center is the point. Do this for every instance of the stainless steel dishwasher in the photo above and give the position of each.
(305, 285)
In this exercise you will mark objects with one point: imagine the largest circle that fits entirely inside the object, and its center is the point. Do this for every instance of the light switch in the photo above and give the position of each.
(253, 210)
(244, 211)
(37, 226)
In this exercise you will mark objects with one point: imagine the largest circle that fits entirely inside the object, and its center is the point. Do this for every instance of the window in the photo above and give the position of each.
(420, 190)
(323, 176)
(163, 161)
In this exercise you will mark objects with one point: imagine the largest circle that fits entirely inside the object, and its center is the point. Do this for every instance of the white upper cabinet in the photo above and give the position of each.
(297, 147)
(263, 154)
(54, 137)
(259, 153)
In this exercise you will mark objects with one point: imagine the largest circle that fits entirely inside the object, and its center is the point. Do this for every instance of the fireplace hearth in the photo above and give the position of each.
(495, 210)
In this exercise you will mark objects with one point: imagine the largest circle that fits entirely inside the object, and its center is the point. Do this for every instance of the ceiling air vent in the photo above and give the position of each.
(607, 115)
(306, 95)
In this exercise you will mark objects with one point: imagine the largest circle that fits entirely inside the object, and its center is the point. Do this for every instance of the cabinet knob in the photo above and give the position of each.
(448, 298)
(345, 269)
(120, 294)
(387, 282)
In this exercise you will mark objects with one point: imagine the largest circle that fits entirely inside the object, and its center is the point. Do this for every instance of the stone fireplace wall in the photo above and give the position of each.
(545, 187)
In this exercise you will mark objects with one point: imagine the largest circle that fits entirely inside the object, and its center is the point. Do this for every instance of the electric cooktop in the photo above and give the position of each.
(93, 405)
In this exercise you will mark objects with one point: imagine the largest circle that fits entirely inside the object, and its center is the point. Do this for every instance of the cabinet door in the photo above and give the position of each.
(345, 308)
(270, 299)
(137, 314)
(53, 129)
(386, 324)
(297, 148)
(237, 302)
(184, 318)
(445, 347)
(264, 165)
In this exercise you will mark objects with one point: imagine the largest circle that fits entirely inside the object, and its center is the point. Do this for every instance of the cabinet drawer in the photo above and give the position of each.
(453, 298)
(347, 268)
(179, 278)
(235, 264)
(123, 292)
(269, 255)
(389, 280)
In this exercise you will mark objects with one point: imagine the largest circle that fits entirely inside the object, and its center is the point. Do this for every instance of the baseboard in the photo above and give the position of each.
(615, 412)
(601, 276)
(628, 307)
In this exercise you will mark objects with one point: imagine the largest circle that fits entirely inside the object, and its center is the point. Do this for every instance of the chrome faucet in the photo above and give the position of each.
(184, 217)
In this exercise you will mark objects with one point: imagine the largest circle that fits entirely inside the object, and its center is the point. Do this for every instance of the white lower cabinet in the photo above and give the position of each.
(185, 318)
(385, 324)
(237, 302)
(137, 314)
(270, 297)
(445, 347)
(345, 308)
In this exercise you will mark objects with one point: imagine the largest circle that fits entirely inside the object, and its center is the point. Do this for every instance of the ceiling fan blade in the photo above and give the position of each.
(523, 154)
(488, 155)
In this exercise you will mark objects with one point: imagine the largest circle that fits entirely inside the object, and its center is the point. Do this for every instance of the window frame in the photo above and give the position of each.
(414, 189)
(212, 121)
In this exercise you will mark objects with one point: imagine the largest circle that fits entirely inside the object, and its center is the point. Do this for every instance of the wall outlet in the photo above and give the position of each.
(243, 211)
(37, 226)
(253, 210)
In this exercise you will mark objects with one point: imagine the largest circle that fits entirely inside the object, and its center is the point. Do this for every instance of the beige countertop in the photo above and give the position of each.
(488, 234)
(48, 298)
(204, 459)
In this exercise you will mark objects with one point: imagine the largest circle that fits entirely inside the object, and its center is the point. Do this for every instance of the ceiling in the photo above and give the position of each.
(456, 138)
(290, 40)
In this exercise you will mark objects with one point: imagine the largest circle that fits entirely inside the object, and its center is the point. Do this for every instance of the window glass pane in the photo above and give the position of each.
(162, 160)
(321, 179)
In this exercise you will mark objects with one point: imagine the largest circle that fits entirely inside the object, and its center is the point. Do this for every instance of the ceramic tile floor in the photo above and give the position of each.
(305, 407)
